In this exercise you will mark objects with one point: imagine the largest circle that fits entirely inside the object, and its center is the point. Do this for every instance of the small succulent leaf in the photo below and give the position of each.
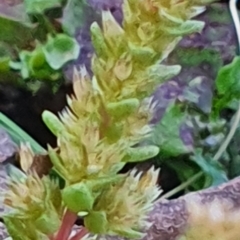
(114, 132)
(98, 41)
(37, 59)
(78, 197)
(140, 153)
(116, 167)
(161, 73)
(60, 49)
(39, 6)
(124, 108)
(48, 223)
(143, 55)
(33, 64)
(167, 132)
(53, 123)
(96, 222)
(102, 182)
(114, 34)
(25, 57)
(56, 161)
(129, 233)
(211, 168)
(185, 28)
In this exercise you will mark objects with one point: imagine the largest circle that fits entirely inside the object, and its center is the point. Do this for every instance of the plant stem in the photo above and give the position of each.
(182, 186)
(67, 224)
(229, 136)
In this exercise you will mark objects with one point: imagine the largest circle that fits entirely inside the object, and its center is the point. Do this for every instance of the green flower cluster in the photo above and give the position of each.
(106, 118)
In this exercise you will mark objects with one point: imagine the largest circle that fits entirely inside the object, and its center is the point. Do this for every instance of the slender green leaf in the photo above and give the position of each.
(18, 135)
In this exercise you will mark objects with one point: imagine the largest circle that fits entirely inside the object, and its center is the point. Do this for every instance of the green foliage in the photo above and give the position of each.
(130, 78)
(227, 85)
(39, 44)
(45, 61)
(60, 49)
(228, 79)
(9, 27)
(74, 16)
(194, 57)
(212, 168)
(39, 6)
(185, 169)
(5, 56)
(166, 134)
(33, 64)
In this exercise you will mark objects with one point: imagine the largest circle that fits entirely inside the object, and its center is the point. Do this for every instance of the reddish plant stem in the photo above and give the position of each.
(67, 224)
(80, 234)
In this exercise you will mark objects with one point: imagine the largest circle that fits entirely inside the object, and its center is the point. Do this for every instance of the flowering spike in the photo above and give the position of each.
(31, 204)
(127, 203)
(106, 117)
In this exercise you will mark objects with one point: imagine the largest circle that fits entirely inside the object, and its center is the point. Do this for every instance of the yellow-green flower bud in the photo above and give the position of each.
(126, 205)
